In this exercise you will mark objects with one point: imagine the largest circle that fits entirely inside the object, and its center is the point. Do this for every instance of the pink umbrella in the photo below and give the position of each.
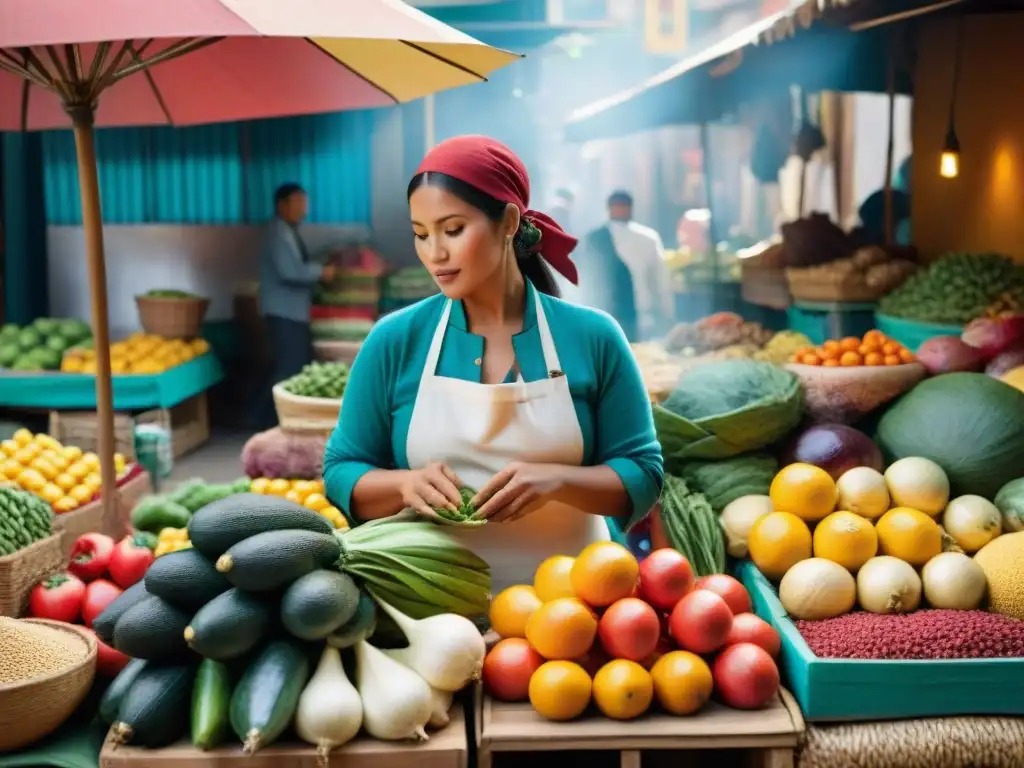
(65, 63)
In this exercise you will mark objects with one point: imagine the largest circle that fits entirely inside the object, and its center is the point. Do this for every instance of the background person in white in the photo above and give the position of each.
(641, 250)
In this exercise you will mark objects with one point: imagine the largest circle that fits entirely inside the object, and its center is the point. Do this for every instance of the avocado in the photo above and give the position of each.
(29, 339)
(8, 354)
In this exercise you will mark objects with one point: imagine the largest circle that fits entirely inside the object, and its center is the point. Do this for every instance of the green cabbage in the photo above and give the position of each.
(722, 482)
(969, 424)
(727, 408)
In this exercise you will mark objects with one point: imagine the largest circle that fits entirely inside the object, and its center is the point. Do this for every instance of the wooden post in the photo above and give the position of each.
(92, 225)
(890, 224)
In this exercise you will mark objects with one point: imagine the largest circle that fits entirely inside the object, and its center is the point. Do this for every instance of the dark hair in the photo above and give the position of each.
(526, 237)
(620, 197)
(285, 191)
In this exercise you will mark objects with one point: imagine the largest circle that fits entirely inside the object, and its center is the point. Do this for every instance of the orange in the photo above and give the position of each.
(850, 359)
(877, 338)
(777, 542)
(682, 682)
(603, 573)
(849, 344)
(810, 359)
(560, 690)
(893, 360)
(906, 355)
(910, 535)
(623, 690)
(830, 363)
(832, 347)
(807, 491)
(562, 629)
(846, 539)
(551, 579)
(875, 358)
(511, 609)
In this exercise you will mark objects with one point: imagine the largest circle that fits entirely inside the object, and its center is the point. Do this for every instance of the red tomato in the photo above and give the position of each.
(665, 578)
(593, 659)
(90, 556)
(748, 628)
(98, 595)
(729, 589)
(700, 622)
(664, 646)
(109, 661)
(629, 629)
(130, 561)
(745, 676)
(508, 668)
(57, 597)
(658, 538)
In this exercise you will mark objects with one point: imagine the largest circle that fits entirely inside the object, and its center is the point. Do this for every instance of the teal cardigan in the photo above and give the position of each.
(607, 391)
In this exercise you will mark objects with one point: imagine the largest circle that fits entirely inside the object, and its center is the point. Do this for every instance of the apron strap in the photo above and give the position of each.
(547, 343)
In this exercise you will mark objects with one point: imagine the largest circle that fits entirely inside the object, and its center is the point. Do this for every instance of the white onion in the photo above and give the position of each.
(738, 517)
(918, 483)
(888, 585)
(817, 589)
(862, 490)
(953, 580)
(972, 521)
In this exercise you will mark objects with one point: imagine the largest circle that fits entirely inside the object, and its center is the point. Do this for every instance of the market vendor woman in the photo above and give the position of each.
(495, 384)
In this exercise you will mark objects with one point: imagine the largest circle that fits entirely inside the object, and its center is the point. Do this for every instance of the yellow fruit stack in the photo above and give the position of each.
(308, 493)
(63, 476)
(172, 540)
(140, 353)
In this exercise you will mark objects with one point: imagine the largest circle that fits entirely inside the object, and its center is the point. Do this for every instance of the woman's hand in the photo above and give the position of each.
(433, 486)
(510, 494)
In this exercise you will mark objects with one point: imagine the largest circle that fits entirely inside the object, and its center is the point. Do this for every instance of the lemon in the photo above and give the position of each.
(65, 481)
(92, 461)
(46, 442)
(72, 453)
(78, 470)
(27, 455)
(31, 480)
(260, 485)
(89, 368)
(200, 346)
(72, 365)
(10, 469)
(279, 487)
(9, 447)
(81, 493)
(58, 461)
(65, 504)
(45, 468)
(93, 481)
(316, 502)
(120, 462)
(22, 437)
(51, 493)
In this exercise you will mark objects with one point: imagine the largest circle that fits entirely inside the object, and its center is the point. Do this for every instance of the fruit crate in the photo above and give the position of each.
(769, 736)
(861, 689)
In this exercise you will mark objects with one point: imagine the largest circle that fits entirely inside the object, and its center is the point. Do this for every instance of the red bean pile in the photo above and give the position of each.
(925, 634)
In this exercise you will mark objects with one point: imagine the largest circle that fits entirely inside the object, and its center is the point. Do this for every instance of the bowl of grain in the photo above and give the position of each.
(46, 669)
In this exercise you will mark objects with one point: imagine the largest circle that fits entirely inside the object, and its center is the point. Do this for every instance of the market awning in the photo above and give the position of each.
(526, 35)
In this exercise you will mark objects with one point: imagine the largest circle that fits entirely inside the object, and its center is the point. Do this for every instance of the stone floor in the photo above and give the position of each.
(218, 461)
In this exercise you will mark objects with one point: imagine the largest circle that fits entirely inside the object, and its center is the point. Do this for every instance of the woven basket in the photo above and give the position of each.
(765, 286)
(809, 286)
(35, 708)
(305, 414)
(844, 395)
(177, 318)
(23, 570)
(86, 519)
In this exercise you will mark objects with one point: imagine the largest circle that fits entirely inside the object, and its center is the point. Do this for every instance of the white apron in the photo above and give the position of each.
(477, 429)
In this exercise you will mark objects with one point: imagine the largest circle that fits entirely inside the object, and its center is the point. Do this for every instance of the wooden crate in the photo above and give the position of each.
(447, 748)
(188, 422)
(770, 736)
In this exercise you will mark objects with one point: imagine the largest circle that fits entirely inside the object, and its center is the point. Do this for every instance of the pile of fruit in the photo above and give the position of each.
(24, 520)
(99, 571)
(64, 477)
(221, 633)
(166, 517)
(873, 349)
(323, 380)
(602, 628)
(140, 353)
(40, 345)
(308, 493)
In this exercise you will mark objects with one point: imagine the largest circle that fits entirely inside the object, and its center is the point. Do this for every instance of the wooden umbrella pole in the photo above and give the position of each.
(92, 225)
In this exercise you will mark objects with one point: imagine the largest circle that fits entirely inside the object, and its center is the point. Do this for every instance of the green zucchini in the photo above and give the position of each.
(185, 579)
(318, 603)
(110, 703)
(154, 711)
(211, 702)
(265, 699)
(230, 625)
(218, 526)
(273, 559)
(359, 627)
(104, 624)
(152, 629)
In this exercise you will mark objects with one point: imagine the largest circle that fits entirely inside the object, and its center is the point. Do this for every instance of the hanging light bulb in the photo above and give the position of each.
(949, 161)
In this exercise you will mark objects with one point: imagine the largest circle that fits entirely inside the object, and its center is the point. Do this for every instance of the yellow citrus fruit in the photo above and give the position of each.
(910, 535)
(316, 502)
(551, 579)
(777, 542)
(79, 470)
(31, 480)
(305, 487)
(65, 504)
(560, 690)
(279, 487)
(81, 493)
(45, 441)
(511, 609)
(807, 491)
(93, 480)
(92, 461)
(45, 468)
(9, 447)
(623, 690)
(603, 573)
(293, 496)
(11, 469)
(25, 456)
(260, 485)
(57, 460)
(562, 629)
(51, 493)
(847, 539)
(72, 453)
(682, 682)
(22, 437)
(65, 481)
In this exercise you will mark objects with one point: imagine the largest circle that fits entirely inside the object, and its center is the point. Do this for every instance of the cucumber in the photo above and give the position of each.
(152, 629)
(359, 627)
(230, 625)
(274, 559)
(211, 701)
(154, 711)
(110, 703)
(218, 526)
(104, 624)
(318, 603)
(186, 579)
(265, 699)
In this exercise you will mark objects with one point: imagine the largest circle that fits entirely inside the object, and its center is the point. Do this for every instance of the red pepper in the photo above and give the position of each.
(98, 595)
(58, 598)
(130, 561)
(90, 556)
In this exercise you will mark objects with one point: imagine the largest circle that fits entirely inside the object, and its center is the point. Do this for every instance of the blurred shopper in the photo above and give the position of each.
(624, 273)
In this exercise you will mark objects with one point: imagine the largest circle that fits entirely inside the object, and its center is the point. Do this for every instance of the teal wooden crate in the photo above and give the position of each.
(822, 321)
(911, 333)
(855, 689)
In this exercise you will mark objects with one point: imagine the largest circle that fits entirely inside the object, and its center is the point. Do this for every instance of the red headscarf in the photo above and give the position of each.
(495, 169)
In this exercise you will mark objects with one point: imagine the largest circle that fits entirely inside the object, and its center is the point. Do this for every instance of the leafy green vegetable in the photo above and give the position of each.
(464, 514)
(324, 380)
(724, 481)
(692, 527)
